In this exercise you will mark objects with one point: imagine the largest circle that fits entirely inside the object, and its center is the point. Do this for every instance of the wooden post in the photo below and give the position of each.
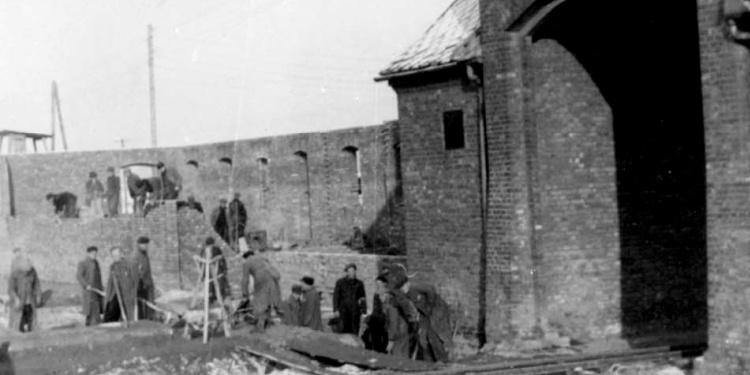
(215, 276)
(123, 313)
(207, 278)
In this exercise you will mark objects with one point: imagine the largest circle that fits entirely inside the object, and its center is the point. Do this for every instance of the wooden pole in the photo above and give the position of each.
(123, 313)
(52, 106)
(225, 319)
(56, 96)
(151, 84)
(207, 281)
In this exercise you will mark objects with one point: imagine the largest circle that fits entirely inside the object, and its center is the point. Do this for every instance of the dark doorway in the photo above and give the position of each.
(644, 57)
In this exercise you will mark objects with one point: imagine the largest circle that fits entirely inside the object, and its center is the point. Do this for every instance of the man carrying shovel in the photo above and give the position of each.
(90, 277)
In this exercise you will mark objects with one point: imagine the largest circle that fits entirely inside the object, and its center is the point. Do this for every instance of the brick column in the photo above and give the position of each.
(510, 288)
(725, 69)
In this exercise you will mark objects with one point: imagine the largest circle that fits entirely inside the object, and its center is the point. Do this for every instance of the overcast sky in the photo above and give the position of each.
(225, 69)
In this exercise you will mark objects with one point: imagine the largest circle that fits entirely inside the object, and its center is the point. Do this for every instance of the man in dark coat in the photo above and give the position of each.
(221, 272)
(291, 308)
(398, 326)
(237, 221)
(434, 332)
(220, 220)
(138, 191)
(349, 300)
(310, 315)
(94, 189)
(144, 281)
(65, 204)
(25, 293)
(171, 181)
(190, 204)
(120, 295)
(375, 336)
(89, 275)
(113, 193)
(266, 291)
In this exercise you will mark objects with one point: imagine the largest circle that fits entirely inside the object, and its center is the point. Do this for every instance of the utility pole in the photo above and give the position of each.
(52, 107)
(56, 108)
(152, 89)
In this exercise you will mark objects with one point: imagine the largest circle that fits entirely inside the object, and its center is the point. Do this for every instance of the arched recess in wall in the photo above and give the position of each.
(265, 177)
(308, 193)
(354, 171)
(194, 163)
(646, 65)
(226, 160)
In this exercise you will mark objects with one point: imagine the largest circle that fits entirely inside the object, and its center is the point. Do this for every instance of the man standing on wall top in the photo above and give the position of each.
(349, 300)
(237, 221)
(220, 220)
(141, 266)
(171, 181)
(89, 275)
(113, 193)
(94, 192)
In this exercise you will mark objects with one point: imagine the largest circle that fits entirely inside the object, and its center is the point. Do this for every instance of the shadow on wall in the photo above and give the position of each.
(660, 155)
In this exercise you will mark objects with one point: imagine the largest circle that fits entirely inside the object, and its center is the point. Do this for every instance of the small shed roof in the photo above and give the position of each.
(453, 38)
(34, 136)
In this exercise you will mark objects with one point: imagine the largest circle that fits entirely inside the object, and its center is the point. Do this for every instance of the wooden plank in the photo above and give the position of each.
(328, 348)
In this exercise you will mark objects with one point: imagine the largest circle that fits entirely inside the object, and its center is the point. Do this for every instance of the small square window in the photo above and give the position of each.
(453, 129)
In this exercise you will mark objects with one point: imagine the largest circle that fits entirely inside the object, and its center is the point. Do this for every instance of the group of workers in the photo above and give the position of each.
(409, 321)
(129, 290)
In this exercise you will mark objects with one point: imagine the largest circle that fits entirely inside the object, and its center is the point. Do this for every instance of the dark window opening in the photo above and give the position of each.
(264, 184)
(453, 130)
(226, 160)
(357, 169)
(194, 163)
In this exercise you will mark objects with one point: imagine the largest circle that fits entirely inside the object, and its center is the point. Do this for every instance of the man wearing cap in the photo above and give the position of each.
(434, 330)
(144, 282)
(266, 290)
(349, 300)
(171, 181)
(291, 308)
(310, 316)
(120, 297)
(89, 275)
(220, 220)
(113, 193)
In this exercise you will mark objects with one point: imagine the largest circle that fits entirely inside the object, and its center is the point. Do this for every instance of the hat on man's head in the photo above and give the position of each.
(223, 200)
(308, 280)
(210, 241)
(350, 265)
(297, 289)
(91, 249)
(143, 240)
(92, 174)
(248, 253)
(159, 165)
(110, 169)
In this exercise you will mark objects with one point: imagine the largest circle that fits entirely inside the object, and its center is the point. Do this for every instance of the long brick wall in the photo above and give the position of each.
(276, 193)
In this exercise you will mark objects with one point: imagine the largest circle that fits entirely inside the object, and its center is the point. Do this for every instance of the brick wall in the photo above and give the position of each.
(726, 74)
(280, 206)
(442, 190)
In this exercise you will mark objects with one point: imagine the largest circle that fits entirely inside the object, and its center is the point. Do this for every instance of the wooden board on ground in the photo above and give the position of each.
(331, 349)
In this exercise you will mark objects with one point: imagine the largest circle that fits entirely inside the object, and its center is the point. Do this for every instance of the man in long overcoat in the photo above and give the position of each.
(120, 290)
(434, 332)
(375, 336)
(113, 193)
(266, 290)
(237, 221)
(144, 281)
(171, 181)
(310, 316)
(138, 191)
(220, 220)
(350, 300)
(25, 294)
(89, 275)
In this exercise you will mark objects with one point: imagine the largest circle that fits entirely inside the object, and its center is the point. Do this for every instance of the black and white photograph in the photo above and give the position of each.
(374, 187)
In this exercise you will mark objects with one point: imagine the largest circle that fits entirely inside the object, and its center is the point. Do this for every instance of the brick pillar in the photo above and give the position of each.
(511, 308)
(725, 69)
